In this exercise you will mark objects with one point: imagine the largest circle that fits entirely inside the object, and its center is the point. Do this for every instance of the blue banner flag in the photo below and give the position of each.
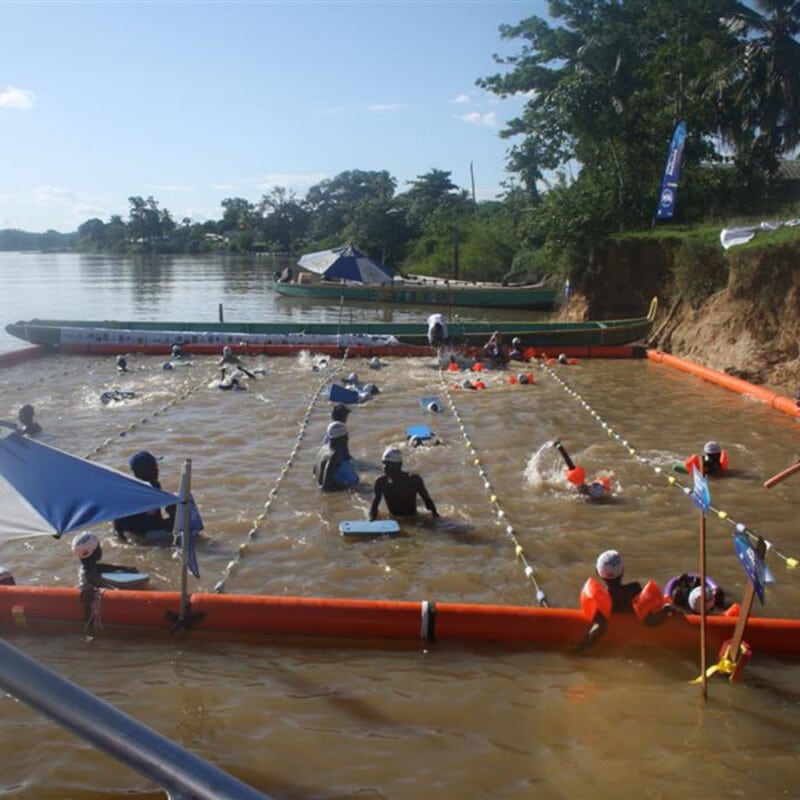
(195, 526)
(672, 173)
(700, 494)
(754, 566)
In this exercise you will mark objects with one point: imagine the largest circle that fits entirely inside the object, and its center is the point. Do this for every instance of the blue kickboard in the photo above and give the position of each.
(126, 580)
(425, 403)
(421, 432)
(362, 527)
(339, 394)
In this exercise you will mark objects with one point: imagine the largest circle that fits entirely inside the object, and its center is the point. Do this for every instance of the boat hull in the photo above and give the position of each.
(248, 617)
(438, 293)
(390, 338)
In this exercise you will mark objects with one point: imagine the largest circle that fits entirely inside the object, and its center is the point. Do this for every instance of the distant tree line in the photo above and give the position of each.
(605, 84)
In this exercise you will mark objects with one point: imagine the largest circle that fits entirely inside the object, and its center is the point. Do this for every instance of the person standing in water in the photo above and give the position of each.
(400, 489)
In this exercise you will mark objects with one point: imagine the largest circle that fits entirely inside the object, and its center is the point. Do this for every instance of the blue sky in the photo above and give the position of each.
(193, 102)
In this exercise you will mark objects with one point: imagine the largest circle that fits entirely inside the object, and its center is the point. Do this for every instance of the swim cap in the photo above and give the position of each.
(467, 384)
(166, 365)
(694, 599)
(522, 378)
(392, 455)
(176, 348)
(6, 578)
(711, 448)
(375, 362)
(434, 407)
(121, 361)
(609, 565)
(562, 358)
(516, 341)
(336, 430)
(352, 378)
(85, 545)
(142, 460)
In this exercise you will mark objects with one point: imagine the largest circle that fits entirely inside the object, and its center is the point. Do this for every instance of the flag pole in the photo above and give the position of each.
(185, 493)
(703, 653)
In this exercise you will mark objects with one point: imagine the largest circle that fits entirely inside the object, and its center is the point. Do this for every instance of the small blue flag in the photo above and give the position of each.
(195, 526)
(700, 495)
(754, 566)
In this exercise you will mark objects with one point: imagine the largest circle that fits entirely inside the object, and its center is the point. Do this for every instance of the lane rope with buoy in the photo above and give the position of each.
(724, 516)
(243, 548)
(494, 502)
(124, 431)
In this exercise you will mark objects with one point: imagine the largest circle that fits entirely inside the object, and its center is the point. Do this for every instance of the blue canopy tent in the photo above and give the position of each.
(345, 264)
(45, 491)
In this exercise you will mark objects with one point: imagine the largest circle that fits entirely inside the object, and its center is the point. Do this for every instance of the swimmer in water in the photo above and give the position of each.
(26, 425)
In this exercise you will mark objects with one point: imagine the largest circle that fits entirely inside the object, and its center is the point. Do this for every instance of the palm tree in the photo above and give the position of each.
(759, 86)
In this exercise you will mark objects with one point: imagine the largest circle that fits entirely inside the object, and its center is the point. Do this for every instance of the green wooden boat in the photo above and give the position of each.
(425, 291)
(345, 273)
(84, 336)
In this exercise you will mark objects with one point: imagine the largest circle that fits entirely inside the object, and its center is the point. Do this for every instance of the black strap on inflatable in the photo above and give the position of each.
(428, 619)
(184, 623)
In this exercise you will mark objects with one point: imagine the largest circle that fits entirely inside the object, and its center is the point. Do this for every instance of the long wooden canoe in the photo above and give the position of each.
(401, 338)
(426, 291)
(218, 616)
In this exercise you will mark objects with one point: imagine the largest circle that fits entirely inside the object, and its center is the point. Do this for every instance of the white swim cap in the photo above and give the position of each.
(434, 407)
(375, 362)
(516, 341)
(711, 448)
(392, 455)
(352, 378)
(85, 544)
(336, 430)
(226, 351)
(694, 599)
(562, 358)
(609, 565)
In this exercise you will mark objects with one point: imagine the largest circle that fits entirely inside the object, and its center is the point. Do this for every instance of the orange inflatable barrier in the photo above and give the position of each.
(20, 356)
(777, 401)
(39, 610)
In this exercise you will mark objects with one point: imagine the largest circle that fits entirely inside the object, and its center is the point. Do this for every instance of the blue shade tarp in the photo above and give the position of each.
(345, 264)
(45, 491)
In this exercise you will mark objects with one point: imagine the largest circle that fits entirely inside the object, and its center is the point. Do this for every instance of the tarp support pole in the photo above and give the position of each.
(158, 758)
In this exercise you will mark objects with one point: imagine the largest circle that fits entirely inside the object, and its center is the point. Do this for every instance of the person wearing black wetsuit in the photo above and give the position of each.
(399, 488)
(88, 549)
(610, 568)
(147, 527)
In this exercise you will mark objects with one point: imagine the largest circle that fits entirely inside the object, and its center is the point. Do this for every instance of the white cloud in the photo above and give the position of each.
(461, 99)
(11, 97)
(171, 187)
(50, 196)
(487, 120)
(387, 107)
(297, 183)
